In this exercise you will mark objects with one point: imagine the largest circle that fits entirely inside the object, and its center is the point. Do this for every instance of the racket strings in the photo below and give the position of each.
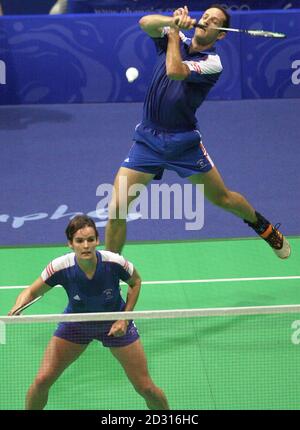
(255, 33)
(262, 33)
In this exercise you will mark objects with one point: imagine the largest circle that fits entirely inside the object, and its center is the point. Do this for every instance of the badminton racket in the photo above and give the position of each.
(254, 33)
(22, 308)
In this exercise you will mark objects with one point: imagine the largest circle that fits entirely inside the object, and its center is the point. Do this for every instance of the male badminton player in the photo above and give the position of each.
(91, 281)
(168, 137)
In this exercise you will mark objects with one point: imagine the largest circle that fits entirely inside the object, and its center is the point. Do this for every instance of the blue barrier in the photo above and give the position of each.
(54, 157)
(83, 58)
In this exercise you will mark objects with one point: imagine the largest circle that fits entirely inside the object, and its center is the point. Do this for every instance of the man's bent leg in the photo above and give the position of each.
(115, 232)
(216, 192)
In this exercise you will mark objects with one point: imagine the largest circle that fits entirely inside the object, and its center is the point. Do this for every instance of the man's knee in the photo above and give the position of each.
(116, 221)
(117, 213)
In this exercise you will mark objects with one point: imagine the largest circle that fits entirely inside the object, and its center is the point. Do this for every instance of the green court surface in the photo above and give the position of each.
(228, 362)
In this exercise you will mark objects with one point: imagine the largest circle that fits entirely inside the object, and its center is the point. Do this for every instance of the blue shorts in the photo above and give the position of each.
(85, 332)
(153, 151)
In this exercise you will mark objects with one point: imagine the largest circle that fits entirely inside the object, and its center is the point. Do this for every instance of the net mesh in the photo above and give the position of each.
(202, 359)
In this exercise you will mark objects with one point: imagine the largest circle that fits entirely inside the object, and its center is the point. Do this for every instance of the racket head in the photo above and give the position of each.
(262, 33)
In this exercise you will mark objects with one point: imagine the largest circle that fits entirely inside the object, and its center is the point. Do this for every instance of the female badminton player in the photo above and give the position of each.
(91, 281)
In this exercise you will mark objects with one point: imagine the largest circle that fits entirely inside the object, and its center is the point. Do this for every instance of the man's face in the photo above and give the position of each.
(211, 18)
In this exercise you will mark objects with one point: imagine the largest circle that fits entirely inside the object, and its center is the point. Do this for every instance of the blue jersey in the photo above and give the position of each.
(99, 294)
(171, 105)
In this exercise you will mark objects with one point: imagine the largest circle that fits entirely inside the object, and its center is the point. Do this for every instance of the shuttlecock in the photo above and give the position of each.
(132, 74)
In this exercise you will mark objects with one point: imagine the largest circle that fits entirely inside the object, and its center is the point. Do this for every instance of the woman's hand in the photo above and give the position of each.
(118, 328)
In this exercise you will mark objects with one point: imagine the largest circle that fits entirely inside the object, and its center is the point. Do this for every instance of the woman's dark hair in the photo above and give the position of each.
(226, 23)
(78, 222)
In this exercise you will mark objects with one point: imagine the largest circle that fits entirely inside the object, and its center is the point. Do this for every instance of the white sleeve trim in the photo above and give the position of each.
(60, 263)
(111, 257)
(209, 66)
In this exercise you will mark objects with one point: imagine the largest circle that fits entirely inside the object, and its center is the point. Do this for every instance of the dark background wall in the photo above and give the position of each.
(43, 6)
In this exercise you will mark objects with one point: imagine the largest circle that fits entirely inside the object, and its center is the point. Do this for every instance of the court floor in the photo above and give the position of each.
(230, 362)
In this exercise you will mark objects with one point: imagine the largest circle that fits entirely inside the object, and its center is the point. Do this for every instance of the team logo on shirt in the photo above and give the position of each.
(202, 163)
(108, 294)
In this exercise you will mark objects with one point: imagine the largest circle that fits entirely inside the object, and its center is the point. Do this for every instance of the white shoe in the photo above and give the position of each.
(277, 241)
(285, 250)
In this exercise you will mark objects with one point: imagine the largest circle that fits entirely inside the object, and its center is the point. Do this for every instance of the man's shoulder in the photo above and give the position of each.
(206, 64)
(210, 62)
(215, 60)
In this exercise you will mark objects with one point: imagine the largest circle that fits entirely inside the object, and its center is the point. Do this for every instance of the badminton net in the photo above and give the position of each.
(222, 358)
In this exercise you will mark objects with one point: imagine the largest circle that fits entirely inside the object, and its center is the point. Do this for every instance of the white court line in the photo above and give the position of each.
(193, 281)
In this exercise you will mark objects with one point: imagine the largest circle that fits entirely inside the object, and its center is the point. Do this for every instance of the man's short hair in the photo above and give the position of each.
(226, 23)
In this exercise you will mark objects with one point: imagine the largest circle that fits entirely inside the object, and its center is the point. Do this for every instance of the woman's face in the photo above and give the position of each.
(84, 243)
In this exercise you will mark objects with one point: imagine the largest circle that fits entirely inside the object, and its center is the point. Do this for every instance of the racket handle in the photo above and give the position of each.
(22, 308)
(200, 26)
